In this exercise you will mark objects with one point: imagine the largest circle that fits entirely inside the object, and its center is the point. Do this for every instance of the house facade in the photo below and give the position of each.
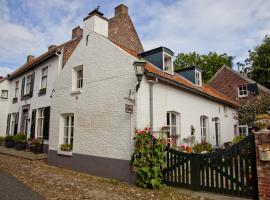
(239, 88)
(4, 101)
(99, 101)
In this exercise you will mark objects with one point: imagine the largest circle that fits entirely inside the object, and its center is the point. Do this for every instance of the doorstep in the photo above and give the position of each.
(22, 154)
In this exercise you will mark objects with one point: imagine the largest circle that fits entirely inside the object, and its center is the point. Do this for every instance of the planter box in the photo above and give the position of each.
(9, 144)
(64, 153)
(38, 148)
(20, 146)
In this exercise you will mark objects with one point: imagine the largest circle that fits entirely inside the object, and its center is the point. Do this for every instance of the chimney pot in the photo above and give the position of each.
(121, 9)
(51, 47)
(30, 58)
(76, 32)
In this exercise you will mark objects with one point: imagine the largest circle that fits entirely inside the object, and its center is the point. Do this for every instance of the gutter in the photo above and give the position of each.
(150, 74)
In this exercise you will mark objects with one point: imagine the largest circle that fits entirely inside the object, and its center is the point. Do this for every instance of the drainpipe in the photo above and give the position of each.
(151, 84)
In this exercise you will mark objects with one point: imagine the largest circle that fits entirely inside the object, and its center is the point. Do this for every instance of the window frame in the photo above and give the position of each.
(27, 84)
(68, 138)
(41, 121)
(173, 127)
(16, 89)
(44, 77)
(241, 90)
(2, 94)
(79, 78)
(170, 69)
(240, 133)
(198, 79)
(204, 128)
(12, 123)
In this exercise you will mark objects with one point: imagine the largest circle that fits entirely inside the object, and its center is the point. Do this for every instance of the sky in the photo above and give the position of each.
(28, 27)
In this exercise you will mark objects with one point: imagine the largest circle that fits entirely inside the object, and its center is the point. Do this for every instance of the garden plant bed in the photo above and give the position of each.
(57, 183)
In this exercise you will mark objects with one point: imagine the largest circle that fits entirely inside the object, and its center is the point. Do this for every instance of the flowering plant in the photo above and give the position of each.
(148, 158)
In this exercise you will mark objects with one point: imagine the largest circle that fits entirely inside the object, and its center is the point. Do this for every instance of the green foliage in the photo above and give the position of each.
(254, 106)
(9, 138)
(20, 137)
(257, 65)
(148, 159)
(209, 63)
(66, 147)
(204, 146)
(2, 139)
(238, 139)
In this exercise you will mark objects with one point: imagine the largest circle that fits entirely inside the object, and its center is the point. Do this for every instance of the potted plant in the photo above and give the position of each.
(203, 147)
(263, 122)
(9, 142)
(2, 140)
(20, 140)
(66, 147)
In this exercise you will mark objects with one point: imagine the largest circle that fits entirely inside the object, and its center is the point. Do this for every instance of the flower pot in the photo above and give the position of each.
(20, 146)
(263, 122)
(9, 144)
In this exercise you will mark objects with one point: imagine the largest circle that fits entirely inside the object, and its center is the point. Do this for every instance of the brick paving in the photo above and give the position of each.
(57, 183)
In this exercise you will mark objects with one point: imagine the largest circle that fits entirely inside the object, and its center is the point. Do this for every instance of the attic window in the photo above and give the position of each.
(167, 63)
(242, 91)
(198, 78)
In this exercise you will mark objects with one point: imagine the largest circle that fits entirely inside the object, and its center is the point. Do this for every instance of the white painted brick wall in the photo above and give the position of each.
(4, 107)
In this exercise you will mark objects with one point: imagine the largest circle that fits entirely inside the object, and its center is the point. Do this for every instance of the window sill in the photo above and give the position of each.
(64, 153)
(74, 92)
(4, 99)
(14, 100)
(26, 96)
(42, 92)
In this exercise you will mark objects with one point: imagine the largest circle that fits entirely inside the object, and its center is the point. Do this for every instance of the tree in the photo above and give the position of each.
(209, 63)
(257, 65)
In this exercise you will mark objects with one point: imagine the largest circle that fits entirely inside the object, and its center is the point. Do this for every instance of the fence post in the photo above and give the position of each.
(195, 171)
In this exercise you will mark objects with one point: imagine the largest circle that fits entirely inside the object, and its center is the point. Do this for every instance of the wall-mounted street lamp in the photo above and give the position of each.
(139, 71)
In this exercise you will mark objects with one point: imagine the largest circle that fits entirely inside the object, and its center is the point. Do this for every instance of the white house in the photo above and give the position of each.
(100, 100)
(4, 101)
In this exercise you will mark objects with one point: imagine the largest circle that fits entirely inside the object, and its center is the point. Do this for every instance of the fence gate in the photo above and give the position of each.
(231, 171)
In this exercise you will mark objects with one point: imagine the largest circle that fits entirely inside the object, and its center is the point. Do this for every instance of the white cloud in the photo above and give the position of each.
(4, 71)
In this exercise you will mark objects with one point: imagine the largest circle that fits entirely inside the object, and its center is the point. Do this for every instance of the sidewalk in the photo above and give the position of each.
(22, 154)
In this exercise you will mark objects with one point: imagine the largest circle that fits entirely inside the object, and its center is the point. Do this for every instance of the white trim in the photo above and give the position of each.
(242, 90)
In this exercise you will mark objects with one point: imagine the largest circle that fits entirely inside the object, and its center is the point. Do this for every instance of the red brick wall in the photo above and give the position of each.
(263, 168)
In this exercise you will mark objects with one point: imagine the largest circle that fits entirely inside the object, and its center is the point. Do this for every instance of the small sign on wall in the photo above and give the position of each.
(129, 108)
(264, 151)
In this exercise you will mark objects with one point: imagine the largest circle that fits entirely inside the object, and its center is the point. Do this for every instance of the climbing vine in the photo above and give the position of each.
(148, 158)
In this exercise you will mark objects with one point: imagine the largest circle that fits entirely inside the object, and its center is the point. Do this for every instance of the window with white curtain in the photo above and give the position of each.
(44, 76)
(204, 128)
(41, 119)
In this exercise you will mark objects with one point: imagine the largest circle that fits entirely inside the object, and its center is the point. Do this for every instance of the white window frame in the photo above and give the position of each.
(12, 123)
(198, 78)
(170, 70)
(41, 121)
(4, 96)
(44, 77)
(242, 91)
(174, 128)
(16, 89)
(204, 124)
(243, 127)
(68, 138)
(27, 85)
(77, 80)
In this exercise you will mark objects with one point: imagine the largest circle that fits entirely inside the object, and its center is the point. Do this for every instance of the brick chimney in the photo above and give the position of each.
(30, 58)
(77, 32)
(51, 47)
(122, 31)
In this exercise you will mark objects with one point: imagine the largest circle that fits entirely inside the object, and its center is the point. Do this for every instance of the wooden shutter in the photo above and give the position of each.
(33, 123)
(32, 84)
(22, 89)
(8, 124)
(253, 88)
(46, 123)
(16, 123)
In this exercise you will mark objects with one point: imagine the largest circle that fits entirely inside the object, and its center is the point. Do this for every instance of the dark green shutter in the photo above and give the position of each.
(33, 123)
(8, 124)
(16, 123)
(253, 88)
(46, 123)
(32, 84)
(22, 89)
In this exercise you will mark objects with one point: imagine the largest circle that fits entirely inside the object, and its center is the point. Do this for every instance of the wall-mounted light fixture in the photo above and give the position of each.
(139, 71)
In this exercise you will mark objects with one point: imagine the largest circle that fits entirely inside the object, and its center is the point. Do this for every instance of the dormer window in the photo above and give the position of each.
(198, 78)
(167, 63)
(242, 91)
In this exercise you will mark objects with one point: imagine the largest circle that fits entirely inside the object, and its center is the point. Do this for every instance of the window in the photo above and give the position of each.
(167, 63)
(173, 124)
(41, 119)
(204, 128)
(16, 89)
(198, 78)
(68, 129)
(4, 94)
(28, 85)
(77, 79)
(225, 110)
(242, 91)
(243, 130)
(44, 76)
(13, 123)
(80, 78)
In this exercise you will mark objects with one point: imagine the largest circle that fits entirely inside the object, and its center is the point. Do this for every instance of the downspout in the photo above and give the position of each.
(151, 84)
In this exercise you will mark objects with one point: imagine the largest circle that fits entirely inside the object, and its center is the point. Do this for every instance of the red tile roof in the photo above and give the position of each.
(205, 90)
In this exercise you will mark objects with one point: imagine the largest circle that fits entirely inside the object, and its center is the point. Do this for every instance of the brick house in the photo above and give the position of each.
(238, 88)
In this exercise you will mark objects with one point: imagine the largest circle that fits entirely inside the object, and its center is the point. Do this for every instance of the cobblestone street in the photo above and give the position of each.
(56, 183)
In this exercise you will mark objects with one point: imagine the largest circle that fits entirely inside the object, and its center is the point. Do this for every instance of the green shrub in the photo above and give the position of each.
(2, 139)
(198, 148)
(9, 138)
(148, 159)
(238, 138)
(66, 147)
(20, 137)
